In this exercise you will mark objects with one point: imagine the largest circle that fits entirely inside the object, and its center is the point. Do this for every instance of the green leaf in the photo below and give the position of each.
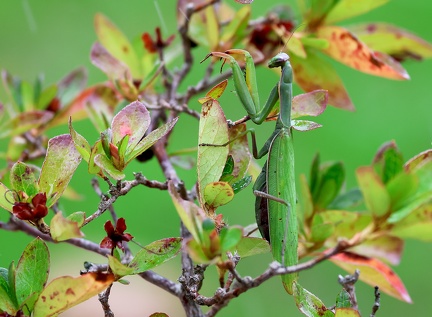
(304, 125)
(27, 95)
(155, 253)
(150, 139)
(196, 252)
(315, 72)
(158, 315)
(118, 268)
(22, 178)
(401, 188)
(374, 273)
(346, 223)
(212, 27)
(350, 198)
(388, 161)
(213, 130)
(117, 44)
(78, 217)
(65, 292)
(228, 168)
(46, 97)
(249, 246)
(81, 144)
(350, 8)
(230, 237)
(320, 230)
(343, 300)
(331, 181)
(63, 228)
(417, 225)
(392, 40)
(241, 184)
(26, 121)
(314, 11)
(7, 303)
(60, 163)
(32, 273)
(217, 194)
(309, 304)
(376, 197)
(107, 165)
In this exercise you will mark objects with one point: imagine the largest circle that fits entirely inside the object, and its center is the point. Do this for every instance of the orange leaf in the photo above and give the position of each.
(373, 272)
(346, 48)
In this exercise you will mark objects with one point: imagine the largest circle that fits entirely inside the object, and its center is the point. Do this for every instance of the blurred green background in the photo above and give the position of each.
(54, 37)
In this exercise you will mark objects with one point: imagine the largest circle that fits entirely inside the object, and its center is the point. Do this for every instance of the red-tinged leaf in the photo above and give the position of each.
(418, 160)
(62, 228)
(71, 85)
(309, 304)
(386, 248)
(374, 273)
(309, 104)
(347, 49)
(100, 96)
(65, 292)
(149, 140)
(315, 73)
(304, 125)
(25, 121)
(132, 120)
(417, 225)
(350, 8)
(60, 163)
(117, 44)
(112, 67)
(213, 130)
(393, 41)
(244, 1)
(216, 91)
(155, 254)
(376, 197)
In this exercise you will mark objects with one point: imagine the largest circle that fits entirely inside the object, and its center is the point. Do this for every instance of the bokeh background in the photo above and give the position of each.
(53, 37)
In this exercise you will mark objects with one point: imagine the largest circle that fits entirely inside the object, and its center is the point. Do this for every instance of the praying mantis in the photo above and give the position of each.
(275, 206)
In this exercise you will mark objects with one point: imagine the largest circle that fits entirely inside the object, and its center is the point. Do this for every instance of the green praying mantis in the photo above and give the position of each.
(275, 206)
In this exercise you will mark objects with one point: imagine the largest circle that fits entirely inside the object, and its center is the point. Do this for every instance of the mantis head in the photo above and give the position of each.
(279, 60)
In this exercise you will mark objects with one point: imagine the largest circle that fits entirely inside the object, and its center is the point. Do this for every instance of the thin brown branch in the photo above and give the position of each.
(348, 283)
(103, 299)
(377, 302)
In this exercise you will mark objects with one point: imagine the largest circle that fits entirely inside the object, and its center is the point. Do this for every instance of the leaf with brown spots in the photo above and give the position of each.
(212, 146)
(373, 272)
(309, 304)
(66, 291)
(346, 48)
(392, 40)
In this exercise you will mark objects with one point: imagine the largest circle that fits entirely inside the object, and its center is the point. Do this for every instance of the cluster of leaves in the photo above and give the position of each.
(373, 48)
(393, 201)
